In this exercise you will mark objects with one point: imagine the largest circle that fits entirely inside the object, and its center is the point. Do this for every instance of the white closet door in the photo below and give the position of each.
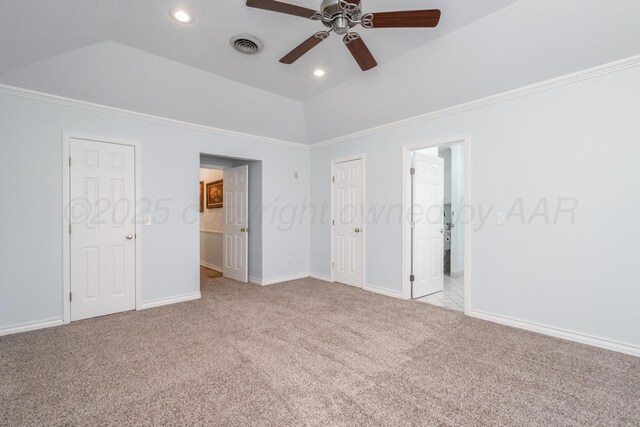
(348, 220)
(102, 212)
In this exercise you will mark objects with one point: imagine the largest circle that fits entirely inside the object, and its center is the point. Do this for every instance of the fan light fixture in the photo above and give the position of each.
(180, 15)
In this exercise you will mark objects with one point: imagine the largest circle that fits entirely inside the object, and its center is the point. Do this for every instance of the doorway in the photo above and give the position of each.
(230, 197)
(435, 245)
(211, 222)
(347, 235)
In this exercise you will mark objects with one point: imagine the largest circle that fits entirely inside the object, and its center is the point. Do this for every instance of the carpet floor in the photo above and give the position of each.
(307, 353)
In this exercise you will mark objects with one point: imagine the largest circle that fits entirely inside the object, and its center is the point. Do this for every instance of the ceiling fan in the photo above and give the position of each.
(339, 16)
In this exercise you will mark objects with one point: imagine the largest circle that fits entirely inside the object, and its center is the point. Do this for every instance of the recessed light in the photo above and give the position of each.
(318, 73)
(182, 16)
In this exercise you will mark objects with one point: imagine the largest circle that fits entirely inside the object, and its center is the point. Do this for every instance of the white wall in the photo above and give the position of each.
(111, 74)
(211, 221)
(31, 235)
(544, 145)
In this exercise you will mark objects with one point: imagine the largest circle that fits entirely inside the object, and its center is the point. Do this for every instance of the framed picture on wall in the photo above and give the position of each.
(201, 196)
(214, 194)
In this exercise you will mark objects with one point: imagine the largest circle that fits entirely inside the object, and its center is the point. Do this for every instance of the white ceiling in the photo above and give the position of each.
(34, 30)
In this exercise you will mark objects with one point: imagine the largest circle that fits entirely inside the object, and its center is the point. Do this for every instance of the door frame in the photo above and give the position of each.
(364, 233)
(465, 140)
(66, 240)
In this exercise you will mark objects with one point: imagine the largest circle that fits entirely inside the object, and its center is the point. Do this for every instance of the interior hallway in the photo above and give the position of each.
(207, 273)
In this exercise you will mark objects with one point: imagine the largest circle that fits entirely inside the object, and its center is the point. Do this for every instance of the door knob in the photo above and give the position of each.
(129, 236)
(357, 230)
(244, 230)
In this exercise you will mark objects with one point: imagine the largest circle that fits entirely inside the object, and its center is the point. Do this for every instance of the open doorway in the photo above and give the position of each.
(230, 197)
(437, 246)
(211, 221)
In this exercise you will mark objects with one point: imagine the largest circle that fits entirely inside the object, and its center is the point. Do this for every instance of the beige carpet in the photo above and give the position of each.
(308, 353)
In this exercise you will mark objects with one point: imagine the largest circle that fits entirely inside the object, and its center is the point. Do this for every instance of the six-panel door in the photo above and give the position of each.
(102, 217)
(348, 223)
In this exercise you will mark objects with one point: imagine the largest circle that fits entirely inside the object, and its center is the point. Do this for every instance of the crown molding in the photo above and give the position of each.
(90, 106)
(568, 79)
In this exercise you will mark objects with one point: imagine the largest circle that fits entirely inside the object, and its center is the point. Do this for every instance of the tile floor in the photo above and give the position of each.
(451, 297)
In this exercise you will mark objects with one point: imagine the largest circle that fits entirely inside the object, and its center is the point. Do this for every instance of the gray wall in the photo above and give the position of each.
(578, 277)
(32, 211)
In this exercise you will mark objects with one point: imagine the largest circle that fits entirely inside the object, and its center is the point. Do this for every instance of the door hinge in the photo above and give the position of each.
(69, 228)
(412, 278)
(69, 161)
(333, 265)
(333, 179)
(333, 222)
(412, 171)
(70, 297)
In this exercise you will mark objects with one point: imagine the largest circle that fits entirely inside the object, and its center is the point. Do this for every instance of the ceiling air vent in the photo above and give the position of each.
(247, 44)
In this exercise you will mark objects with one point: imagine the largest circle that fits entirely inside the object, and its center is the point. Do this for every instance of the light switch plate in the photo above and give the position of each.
(147, 220)
(501, 218)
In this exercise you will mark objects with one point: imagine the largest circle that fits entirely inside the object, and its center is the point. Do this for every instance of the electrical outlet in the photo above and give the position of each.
(501, 218)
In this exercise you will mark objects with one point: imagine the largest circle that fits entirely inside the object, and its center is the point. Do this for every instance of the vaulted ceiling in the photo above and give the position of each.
(131, 54)
(32, 30)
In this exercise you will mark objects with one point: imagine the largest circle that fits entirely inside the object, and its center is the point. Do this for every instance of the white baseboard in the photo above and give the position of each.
(386, 292)
(211, 266)
(167, 301)
(607, 344)
(274, 280)
(367, 288)
(30, 326)
(320, 277)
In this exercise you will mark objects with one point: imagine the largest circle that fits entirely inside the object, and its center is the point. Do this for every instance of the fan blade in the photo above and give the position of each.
(403, 18)
(276, 6)
(304, 47)
(360, 51)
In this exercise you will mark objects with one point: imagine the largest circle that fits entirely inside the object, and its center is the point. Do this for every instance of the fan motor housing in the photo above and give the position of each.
(335, 17)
